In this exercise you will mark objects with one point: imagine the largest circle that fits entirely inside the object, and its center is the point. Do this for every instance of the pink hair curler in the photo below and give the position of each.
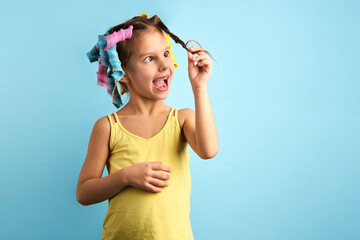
(102, 77)
(118, 36)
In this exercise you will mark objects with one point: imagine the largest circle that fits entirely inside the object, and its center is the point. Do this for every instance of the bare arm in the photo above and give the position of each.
(199, 126)
(91, 188)
(100, 189)
(205, 128)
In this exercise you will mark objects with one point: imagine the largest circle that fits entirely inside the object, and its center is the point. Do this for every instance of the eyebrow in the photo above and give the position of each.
(142, 55)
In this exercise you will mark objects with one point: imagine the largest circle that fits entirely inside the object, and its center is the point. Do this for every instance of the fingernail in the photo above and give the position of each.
(170, 170)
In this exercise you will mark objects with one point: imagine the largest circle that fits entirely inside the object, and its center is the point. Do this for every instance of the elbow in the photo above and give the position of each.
(81, 199)
(210, 154)
(82, 202)
(210, 151)
(205, 157)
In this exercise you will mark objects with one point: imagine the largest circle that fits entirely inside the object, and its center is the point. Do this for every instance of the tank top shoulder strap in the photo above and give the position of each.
(110, 119)
(116, 117)
(171, 114)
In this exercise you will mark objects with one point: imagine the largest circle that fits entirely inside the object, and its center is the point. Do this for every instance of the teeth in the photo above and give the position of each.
(162, 79)
(160, 83)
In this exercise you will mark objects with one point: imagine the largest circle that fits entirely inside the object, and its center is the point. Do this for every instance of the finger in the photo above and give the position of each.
(201, 57)
(204, 62)
(196, 50)
(152, 188)
(193, 48)
(158, 182)
(190, 56)
(201, 53)
(161, 175)
(156, 165)
(160, 166)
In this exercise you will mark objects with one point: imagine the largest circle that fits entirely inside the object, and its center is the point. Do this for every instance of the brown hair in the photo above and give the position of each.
(141, 24)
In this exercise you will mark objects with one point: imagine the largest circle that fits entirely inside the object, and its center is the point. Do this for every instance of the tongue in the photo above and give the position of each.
(159, 83)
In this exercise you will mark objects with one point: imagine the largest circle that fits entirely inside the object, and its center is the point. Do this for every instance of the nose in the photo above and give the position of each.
(163, 64)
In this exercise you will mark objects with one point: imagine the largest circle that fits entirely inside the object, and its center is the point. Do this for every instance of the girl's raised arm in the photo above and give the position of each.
(199, 126)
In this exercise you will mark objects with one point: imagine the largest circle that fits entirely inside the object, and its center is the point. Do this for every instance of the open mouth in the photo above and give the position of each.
(161, 83)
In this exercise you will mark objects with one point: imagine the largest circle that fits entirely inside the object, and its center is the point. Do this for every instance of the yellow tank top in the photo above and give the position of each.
(139, 214)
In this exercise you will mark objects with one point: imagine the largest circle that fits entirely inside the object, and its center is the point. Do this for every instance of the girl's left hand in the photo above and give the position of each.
(199, 74)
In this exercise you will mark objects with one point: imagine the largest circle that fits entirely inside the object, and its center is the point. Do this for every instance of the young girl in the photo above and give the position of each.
(144, 145)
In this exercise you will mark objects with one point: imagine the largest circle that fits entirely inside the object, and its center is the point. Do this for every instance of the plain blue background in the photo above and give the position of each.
(284, 92)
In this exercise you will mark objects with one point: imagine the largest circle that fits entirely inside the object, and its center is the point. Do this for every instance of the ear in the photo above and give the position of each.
(125, 78)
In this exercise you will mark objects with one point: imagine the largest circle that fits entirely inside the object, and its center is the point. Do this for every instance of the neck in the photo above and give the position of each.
(144, 107)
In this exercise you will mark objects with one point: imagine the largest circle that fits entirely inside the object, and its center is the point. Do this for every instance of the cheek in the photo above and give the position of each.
(141, 71)
(147, 72)
(144, 74)
(171, 65)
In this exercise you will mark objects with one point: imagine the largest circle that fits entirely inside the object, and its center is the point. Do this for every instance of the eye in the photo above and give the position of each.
(150, 57)
(167, 53)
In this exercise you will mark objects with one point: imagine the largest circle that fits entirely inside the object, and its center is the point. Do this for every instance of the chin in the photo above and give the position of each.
(165, 96)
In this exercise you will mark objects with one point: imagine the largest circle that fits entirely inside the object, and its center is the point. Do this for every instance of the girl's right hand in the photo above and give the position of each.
(145, 175)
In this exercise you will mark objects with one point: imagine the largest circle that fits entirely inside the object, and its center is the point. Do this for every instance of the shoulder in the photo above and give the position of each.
(185, 114)
(102, 125)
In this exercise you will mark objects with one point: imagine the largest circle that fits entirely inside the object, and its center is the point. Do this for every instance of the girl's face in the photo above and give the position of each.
(150, 68)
